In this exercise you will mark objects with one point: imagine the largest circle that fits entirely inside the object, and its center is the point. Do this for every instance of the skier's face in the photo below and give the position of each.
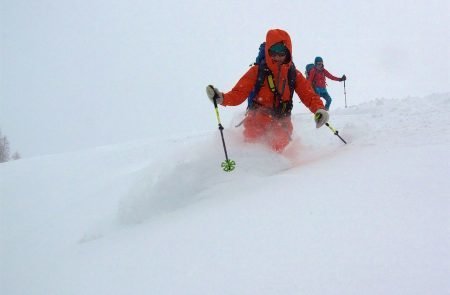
(319, 65)
(278, 58)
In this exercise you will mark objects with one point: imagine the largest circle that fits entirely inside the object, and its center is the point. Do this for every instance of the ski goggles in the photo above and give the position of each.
(277, 53)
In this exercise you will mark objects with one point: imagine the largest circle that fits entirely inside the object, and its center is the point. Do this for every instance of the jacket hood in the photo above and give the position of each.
(276, 36)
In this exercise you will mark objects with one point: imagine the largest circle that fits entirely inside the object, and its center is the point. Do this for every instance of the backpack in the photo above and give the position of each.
(283, 108)
(308, 69)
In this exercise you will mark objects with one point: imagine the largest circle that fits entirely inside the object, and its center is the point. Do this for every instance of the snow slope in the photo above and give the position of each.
(161, 217)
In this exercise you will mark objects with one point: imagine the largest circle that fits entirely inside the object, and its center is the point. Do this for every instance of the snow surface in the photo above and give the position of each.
(161, 217)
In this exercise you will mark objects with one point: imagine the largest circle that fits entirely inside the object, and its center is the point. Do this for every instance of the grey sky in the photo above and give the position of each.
(77, 74)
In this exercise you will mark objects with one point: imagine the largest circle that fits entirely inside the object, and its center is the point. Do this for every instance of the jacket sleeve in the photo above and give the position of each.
(306, 93)
(239, 93)
(328, 75)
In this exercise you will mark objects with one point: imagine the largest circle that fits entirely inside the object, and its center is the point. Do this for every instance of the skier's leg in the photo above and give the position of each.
(255, 125)
(327, 98)
(280, 134)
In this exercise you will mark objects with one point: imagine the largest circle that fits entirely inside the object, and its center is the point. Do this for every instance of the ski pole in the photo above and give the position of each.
(335, 132)
(242, 122)
(227, 165)
(345, 95)
(318, 116)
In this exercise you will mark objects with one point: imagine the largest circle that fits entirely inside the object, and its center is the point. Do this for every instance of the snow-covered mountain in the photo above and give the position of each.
(161, 217)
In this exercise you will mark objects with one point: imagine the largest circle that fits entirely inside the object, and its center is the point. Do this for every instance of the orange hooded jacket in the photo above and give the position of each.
(265, 97)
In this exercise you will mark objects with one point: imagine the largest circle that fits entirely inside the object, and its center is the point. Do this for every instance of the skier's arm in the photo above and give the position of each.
(242, 89)
(306, 93)
(328, 75)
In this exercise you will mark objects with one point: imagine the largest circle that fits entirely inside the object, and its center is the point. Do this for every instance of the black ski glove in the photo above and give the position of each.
(343, 78)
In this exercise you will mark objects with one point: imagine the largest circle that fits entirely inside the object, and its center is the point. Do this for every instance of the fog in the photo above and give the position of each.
(78, 74)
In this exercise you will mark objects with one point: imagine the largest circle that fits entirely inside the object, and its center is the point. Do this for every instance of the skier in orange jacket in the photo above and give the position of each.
(268, 119)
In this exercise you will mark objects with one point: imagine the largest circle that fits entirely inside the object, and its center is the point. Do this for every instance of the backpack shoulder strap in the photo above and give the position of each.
(292, 76)
(263, 72)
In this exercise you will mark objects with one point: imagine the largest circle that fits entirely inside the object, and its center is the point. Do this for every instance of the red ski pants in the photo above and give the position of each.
(262, 126)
